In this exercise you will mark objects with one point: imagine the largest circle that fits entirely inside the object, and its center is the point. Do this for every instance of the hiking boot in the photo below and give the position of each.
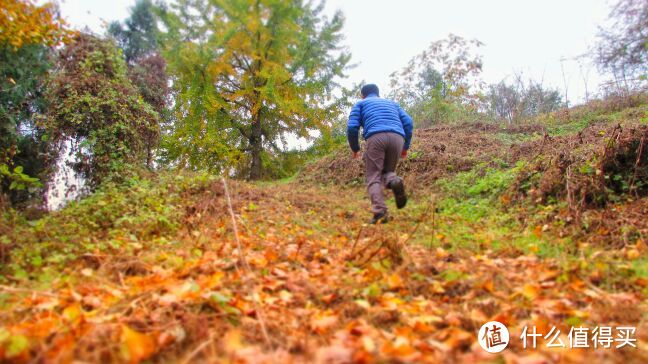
(380, 218)
(399, 192)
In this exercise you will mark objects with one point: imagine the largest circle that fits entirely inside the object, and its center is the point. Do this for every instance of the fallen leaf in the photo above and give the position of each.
(394, 281)
(529, 291)
(323, 323)
(138, 346)
(232, 341)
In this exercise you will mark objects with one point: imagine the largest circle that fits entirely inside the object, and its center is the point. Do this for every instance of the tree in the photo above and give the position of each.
(504, 101)
(439, 81)
(149, 75)
(22, 72)
(622, 48)
(28, 34)
(138, 39)
(246, 73)
(519, 100)
(24, 23)
(93, 102)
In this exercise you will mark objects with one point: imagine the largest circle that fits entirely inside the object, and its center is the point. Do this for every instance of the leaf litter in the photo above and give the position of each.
(320, 300)
(290, 272)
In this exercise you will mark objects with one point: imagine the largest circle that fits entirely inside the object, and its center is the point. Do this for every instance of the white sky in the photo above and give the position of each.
(520, 36)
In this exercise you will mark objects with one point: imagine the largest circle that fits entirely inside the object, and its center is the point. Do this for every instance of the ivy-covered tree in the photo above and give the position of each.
(246, 73)
(137, 36)
(28, 32)
(93, 102)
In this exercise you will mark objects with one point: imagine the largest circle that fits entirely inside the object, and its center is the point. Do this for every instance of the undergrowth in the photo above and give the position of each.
(474, 213)
(116, 218)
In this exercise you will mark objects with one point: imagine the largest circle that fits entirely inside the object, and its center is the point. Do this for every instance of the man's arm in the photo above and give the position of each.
(408, 127)
(353, 127)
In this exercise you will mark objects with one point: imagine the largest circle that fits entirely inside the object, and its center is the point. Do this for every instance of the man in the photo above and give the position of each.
(388, 132)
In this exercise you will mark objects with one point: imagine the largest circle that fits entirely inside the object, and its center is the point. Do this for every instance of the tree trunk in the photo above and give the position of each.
(256, 148)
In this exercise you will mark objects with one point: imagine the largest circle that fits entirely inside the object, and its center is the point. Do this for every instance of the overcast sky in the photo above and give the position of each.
(519, 36)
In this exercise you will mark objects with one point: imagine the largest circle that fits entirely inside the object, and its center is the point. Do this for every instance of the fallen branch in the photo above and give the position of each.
(24, 290)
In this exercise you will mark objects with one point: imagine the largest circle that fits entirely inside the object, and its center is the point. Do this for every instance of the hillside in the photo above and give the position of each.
(540, 224)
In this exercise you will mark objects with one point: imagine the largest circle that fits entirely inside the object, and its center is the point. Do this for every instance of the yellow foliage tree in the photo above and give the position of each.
(23, 22)
(246, 74)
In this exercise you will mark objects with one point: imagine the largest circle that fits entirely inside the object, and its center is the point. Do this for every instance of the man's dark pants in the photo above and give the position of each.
(381, 157)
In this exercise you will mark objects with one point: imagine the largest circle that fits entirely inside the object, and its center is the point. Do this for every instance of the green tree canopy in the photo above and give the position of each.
(246, 73)
(27, 34)
(137, 36)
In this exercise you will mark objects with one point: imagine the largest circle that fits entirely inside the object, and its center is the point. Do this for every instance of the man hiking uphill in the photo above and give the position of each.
(388, 132)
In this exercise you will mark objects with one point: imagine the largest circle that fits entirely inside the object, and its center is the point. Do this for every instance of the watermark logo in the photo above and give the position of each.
(493, 336)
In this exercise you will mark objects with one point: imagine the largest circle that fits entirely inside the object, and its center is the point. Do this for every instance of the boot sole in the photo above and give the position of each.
(381, 221)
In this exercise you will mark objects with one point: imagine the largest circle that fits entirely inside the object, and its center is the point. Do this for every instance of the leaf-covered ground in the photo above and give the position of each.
(316, 285)
(537, 226)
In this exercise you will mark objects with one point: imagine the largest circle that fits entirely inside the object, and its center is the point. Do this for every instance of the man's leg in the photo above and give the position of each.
(374, 158)
(393, 150)
(389, 177)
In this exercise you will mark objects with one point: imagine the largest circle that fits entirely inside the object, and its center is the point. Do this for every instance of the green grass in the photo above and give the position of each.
(281, 181)
(517, 138)
(568, 128)
(471, 216)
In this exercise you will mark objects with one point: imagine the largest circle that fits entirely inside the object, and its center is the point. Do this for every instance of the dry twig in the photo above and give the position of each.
(246, 265)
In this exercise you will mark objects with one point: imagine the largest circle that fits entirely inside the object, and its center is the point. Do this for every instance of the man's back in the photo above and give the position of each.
(377, 115)
(380, 115)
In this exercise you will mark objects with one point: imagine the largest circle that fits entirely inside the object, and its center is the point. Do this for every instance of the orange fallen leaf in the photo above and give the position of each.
(439, 252)
(641, 245)
(232, 341)
(458, 338)
(394, 281)
(138, 346)
(633, 254)
(530, 291)
(368, 344)
(322, 323)
(73, 313)
(549, 274)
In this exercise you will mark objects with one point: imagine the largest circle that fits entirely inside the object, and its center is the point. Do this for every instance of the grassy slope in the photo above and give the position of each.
(151, 270)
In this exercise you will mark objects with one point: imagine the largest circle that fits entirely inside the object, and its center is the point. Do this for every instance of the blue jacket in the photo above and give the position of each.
(376, 115)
